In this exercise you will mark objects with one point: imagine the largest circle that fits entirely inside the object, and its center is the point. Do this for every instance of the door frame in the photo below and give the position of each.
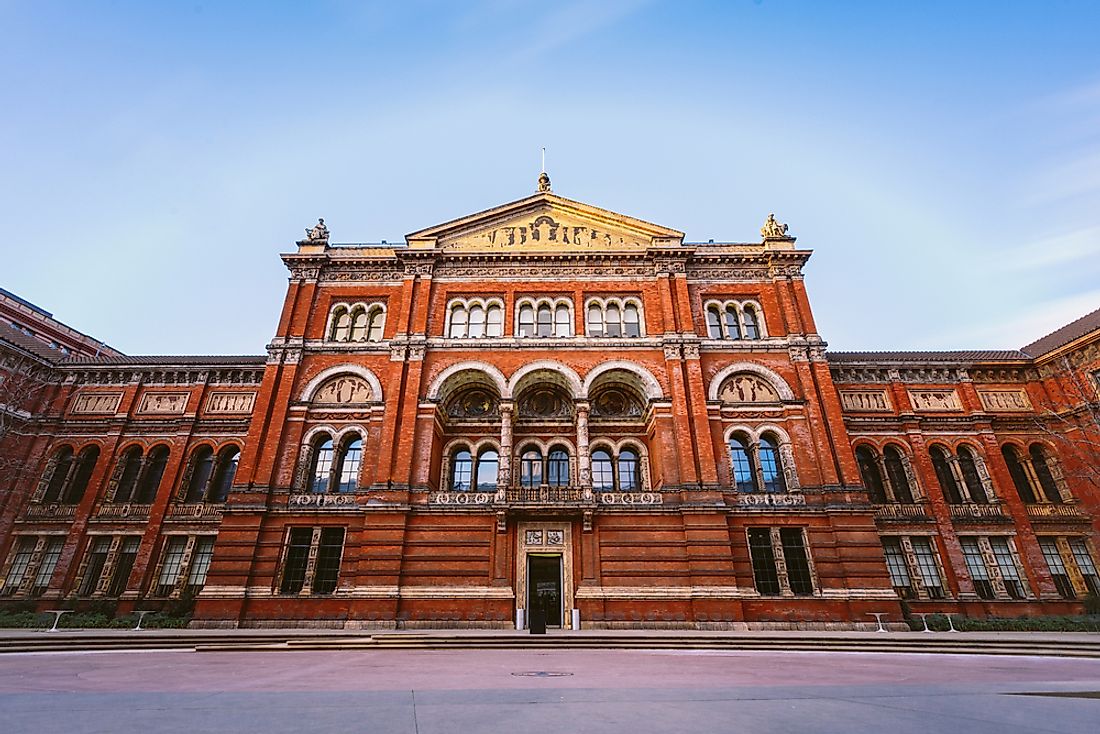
(561, 584)
(546, 538)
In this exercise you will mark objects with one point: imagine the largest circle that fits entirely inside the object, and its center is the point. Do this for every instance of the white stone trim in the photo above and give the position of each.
(571, 378)
(495, 376)
(653, 389)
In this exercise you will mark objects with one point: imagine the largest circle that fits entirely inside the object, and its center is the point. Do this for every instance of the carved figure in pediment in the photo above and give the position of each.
(747, 388)
(344, 390)
(773, 229)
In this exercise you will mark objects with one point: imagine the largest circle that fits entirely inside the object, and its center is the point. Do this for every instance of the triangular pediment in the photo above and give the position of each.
(544, 222)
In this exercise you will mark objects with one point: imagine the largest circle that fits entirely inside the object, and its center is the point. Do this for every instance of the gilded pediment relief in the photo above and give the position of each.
(545, 222)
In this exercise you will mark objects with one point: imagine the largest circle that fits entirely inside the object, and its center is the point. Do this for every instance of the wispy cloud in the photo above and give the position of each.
(1013, 330)
(1060, 249)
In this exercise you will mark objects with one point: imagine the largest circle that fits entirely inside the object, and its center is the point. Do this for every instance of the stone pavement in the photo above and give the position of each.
(469, 691)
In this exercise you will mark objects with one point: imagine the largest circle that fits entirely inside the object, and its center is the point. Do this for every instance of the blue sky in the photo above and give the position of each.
(941, 158)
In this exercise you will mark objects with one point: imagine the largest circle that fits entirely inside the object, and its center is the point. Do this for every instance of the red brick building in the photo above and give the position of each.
(549, 406)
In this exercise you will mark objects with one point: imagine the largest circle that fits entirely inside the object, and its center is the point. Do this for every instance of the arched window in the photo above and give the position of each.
(202, 466)
(628, 471)
(771, 467)
(1018, 474)
(545, 321)
(494, 321)
(358, 325)
(462, 470)
(944, 476)
(613, 323)
(603, 472)
(563, 325)
(1042, 471)
(744, 478)
(149, 483)
(530, 468)
(488, 464)
(61, 467)
(341, 325)
(632, 322)
(458, 322)
(970, 476)
(595, 320)
(527, 320)
(376, 324)
(131, 468)
(872, 477)
(321, 472)
(84, 468)
(477, 322)
(224, 472)
(752, 325)
(733, 326)
(557, 468)
(714, 323)
(350, 460)
(899, 478)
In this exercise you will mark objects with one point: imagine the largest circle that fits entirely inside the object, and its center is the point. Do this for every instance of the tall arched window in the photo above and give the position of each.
(899, 478)
(458, 322)
(771, 467)
(872, 477)
(494, 321)
(341, 325)
(613, 322)
(61, 466)
(488, 464)
(632, 322)
(1018, 474)
(351, 458)
(714, 323)
(733, 325)
(530, 468)
(563, 325)
(225, 471)
(1042, 471)
(970, 476)
(462, 470)
(84, 467)
(595, 320)
(527, 320)
(320, 473)
(744, 478)
(376, 324)
(149, 483)
(358, 325)
(628, 471)
(946, 479)
(202, 466)
(752, 325)
(557, 467)
(545, 321)
(603, 471)
(477, 322)
(131, 469)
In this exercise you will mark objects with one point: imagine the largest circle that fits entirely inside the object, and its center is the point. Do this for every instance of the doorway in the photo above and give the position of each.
(544, 585)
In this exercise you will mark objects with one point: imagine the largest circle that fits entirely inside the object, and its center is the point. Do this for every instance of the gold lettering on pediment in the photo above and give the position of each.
(544, 232)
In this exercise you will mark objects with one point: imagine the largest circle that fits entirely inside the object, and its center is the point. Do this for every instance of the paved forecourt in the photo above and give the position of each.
(635, 691)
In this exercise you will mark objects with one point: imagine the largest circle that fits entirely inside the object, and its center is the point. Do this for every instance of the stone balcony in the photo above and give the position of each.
(974, 513)
(195, 512)
(1055, 513)
(125, 511)
(899, 512)
(49, 511)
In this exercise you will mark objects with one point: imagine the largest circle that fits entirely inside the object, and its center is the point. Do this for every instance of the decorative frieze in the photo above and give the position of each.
(934, 400)
(323, 501)
(461, 499)
(163, 403)
(230, 402)
(629, 498)
(771, 499)
(867, 401)
(96, 403)
(1004, 401)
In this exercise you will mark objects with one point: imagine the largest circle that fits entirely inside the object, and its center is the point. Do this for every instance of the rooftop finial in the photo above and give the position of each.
(317, 234)
(774, 230)
(544, 180)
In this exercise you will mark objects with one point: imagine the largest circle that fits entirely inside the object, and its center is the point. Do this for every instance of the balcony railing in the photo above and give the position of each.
(898, 512)
(123, 511)
(196, 511)
(977, 513)
(545, 495)
(1054, 513)
(49, 511)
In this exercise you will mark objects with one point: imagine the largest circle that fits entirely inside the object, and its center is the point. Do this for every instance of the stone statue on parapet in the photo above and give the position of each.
(773, 229)
(318, 232)
(544, 182)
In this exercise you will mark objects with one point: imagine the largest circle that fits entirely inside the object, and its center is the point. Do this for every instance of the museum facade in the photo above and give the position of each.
(549, 407)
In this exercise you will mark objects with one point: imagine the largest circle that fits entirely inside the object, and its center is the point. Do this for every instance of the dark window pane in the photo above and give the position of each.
(763, 561)
(714, 323)
(743, 476)
(531, 468)
(130, 471)
(868, 471)
(558, 468)
(223, 478)
(895, 468)
(628, 471)
(771, 466)
(1019, 476)
(124, 564)
(733, 326)
(1042, 470)
(60, 473)
(297, 555)
(202, 466)
(798, 564)
(970, 476)
(149, 483)
(752, 326)
(329, 551)
(546, 321)
(462, 469)
(944, 476)
(84, 468)
(322, 467)
(349, 466)
(603, 473)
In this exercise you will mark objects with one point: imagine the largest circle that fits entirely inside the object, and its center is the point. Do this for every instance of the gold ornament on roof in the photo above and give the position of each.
(544, 181)
(773, 229)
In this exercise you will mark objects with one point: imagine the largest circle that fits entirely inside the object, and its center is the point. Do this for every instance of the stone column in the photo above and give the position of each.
(584, 462)
(887, 484)
(504, 473)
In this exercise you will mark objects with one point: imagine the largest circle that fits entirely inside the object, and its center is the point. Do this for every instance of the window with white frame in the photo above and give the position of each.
(734, 320)
(993, 567)
(914, 566)
(332, 466)
(356, 322)
(756, 463)
(544, 317)
(617, 470)
(475, 318)
(614, 317)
